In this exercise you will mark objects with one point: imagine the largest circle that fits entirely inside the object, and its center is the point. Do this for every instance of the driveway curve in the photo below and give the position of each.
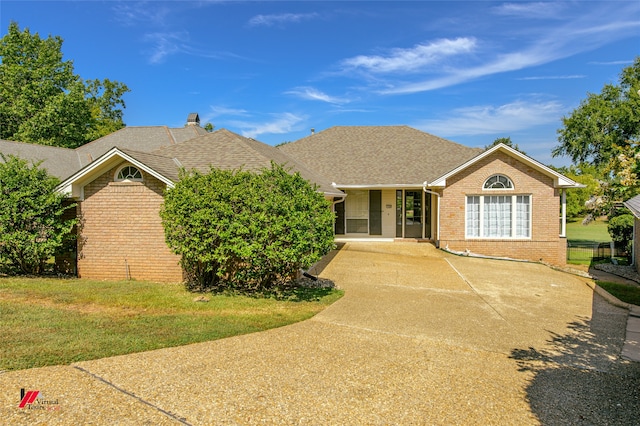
(420, 337)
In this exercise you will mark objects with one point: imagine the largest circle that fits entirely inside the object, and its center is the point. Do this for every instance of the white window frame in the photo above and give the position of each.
(514, 217)
(116, 179)
(498, 175)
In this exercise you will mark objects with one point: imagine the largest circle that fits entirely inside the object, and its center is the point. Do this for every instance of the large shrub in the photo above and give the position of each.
(621, 230)
(31, 224)
(245, 230)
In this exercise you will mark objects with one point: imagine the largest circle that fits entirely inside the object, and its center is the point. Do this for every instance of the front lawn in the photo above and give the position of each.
(60, 321)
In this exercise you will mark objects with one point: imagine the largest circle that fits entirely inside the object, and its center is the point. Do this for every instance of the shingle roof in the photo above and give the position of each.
(64, 162)
(227, 150)
(142, 139)
(59, 162)
(634, 205)
(378, 155)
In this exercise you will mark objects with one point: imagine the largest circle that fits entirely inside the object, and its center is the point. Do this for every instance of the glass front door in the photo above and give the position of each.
(412, 214)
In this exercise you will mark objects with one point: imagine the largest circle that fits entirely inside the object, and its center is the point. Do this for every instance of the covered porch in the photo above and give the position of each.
(386, 214)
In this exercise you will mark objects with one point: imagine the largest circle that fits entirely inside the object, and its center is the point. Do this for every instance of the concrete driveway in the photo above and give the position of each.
(421, 337)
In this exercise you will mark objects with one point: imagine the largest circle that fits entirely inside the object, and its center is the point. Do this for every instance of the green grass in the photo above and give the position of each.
(625, 293)
(60, 321)
(594, 231)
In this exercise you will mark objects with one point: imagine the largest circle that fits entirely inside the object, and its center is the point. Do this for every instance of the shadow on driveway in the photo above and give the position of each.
(579, 377)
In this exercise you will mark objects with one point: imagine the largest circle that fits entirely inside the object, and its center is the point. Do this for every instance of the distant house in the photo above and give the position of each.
(386, 182)
(634, 205)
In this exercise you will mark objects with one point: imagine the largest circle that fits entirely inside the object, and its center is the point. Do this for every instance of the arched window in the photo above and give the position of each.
(128, 173)
(498, 182)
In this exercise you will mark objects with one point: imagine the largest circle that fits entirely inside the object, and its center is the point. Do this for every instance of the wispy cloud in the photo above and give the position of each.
(313, 94)
(412, 59)
(165, 44)
(135, 13)
(489, 119)
(550, 44)
(545, 10)
(280, 19)
(278, 124)
(553, 77)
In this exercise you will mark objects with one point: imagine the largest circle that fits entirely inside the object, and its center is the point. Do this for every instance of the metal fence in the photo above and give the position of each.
(593, 250)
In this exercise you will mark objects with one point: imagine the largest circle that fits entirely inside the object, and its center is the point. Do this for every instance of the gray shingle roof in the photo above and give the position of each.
(227, 150)
(59, 162)
(64, 162)
(378, 155)
(141, 139)
(634, 205)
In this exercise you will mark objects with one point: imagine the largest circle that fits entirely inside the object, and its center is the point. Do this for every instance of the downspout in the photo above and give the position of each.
(563, 225)
(428, 191)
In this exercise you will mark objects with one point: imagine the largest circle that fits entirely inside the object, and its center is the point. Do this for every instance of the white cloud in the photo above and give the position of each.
(135, 13)
(281, 123)
(165, 44)
(411, 59)
(313, 94)
(488, 119)
(279, 19)
(553, 77)
(544, 10)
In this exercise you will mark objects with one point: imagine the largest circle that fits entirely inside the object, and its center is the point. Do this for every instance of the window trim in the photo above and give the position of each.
(119, 169)
(498, 175)
(514, 218)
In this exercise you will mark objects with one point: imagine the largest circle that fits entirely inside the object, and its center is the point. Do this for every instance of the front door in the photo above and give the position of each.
(413, 214)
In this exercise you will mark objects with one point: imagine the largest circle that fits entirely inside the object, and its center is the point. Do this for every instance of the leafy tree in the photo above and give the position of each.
(605, 124)
(604, 131)
(246, 231)
(31, 225)
(43, 101)
(507, 141)
(621, 230)
(580, 200)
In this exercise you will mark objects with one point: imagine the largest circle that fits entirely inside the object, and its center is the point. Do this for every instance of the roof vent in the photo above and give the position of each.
(193, 119)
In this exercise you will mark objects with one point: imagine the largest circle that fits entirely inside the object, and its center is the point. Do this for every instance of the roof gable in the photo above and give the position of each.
(378, 155)
(559, 180)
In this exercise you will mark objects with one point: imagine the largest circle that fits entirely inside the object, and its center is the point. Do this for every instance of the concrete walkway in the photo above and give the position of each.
(420, 337)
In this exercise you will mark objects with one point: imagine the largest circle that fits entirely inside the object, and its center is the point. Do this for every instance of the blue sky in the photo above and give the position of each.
(466, 71)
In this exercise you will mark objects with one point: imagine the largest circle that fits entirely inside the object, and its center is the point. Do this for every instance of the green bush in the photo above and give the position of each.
(246, 231)
(31, 226)
(621, 230)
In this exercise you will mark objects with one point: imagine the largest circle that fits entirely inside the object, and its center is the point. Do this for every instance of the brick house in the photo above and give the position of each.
(386, 182)
(404, 183)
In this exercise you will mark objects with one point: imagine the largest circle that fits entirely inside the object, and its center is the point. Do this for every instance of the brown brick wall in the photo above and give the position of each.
(544, 244)
(121, 232)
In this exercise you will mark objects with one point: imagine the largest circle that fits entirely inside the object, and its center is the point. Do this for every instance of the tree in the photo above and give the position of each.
(507, 141)
(621, 230)
(578, 199)
(244, 230)
(43, 101)
(604, 131)
(605, 124)
(31, 225)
